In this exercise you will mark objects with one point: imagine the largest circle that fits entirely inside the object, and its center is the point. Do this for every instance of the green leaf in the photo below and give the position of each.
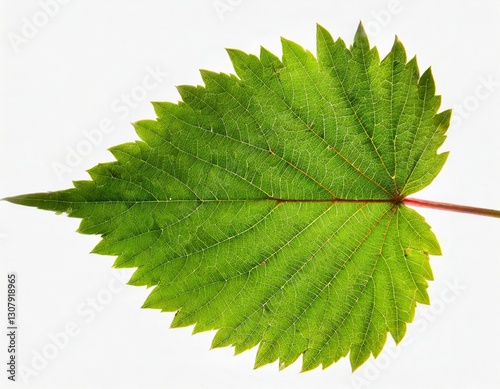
(267, 205)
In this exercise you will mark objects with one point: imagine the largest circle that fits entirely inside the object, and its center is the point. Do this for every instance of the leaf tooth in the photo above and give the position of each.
(269, 59)
(397, 53)
(187, 92)
(327, 48)
(310, 360)
(426, 84)
(209, 76)
(163, 108)
(324, 40)
(361, 39)
(221, 338)
(442, 121)
(293, 53)
(266, 353)
(322, 33)
(358, 356)
(399, 331)
(149, 131)
(242, 62)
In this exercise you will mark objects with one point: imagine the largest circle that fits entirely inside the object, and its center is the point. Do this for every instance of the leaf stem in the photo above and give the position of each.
(451, 207)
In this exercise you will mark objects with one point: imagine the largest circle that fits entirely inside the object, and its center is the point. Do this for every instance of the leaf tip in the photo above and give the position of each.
(10, 199)
(19, 200)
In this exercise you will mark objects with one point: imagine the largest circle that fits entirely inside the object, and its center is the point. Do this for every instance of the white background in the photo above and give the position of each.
(71, 73)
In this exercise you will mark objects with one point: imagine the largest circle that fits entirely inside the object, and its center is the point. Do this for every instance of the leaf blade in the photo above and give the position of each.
(268, 206)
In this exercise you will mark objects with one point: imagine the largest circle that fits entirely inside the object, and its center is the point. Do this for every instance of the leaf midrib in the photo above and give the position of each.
(395, 201)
